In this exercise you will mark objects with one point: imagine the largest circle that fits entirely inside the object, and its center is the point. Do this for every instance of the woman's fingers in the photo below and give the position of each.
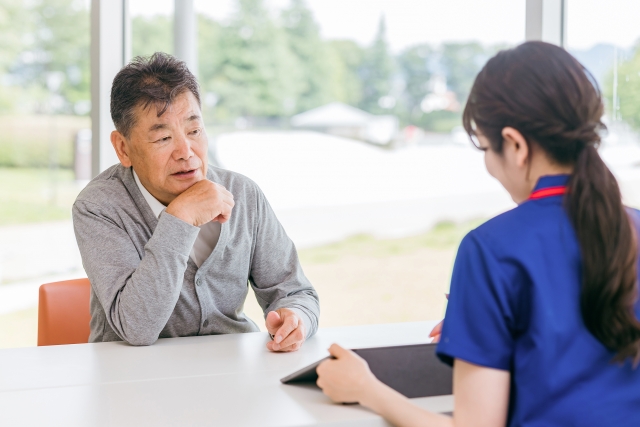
(336, 351)
(437, 330)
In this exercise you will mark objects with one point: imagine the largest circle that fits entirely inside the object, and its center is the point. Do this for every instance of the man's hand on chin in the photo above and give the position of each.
(204, 201)
(287, 329)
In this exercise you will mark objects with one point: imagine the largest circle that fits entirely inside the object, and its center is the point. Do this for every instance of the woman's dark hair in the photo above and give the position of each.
(553, 101)
(145, 81)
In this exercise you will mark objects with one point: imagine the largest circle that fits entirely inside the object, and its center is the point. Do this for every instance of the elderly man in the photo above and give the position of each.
(171, 244)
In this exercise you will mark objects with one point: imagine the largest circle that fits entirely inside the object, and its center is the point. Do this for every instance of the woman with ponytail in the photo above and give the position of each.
(542, 322)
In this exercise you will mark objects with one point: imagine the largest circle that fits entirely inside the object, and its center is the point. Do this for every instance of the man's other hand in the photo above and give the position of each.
(201, 203)
(287, 329)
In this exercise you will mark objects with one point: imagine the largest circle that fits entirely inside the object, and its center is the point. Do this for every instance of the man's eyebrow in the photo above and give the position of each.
(157, 126)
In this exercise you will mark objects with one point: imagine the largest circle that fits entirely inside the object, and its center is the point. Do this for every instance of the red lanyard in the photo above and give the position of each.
(548, 192)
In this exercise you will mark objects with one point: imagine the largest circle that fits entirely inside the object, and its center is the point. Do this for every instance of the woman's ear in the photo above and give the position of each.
(517, 144)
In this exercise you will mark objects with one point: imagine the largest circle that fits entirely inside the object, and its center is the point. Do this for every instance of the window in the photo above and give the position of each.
(605, 37)
(44, 117)
(347, 114)
(151, 27)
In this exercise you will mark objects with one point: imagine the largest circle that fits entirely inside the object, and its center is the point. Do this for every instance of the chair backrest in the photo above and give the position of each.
(63, 312)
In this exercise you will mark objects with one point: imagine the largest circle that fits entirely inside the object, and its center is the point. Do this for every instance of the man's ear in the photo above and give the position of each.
(514, 139)
(122, 148)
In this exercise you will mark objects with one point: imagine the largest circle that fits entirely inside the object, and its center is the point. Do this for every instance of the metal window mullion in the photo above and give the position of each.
(546, 20)
(109, 41)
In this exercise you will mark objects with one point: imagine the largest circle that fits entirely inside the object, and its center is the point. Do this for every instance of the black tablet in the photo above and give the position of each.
(413, 370)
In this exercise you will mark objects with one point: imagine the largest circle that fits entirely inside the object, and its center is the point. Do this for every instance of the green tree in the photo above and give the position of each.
(628, 91)
(461, 63)
(303, 35)
(13, 27)
(150, 34)
(209, 63)
(346, 59)
(56, 56)
(209, 48)
(414, 65)
(13, 22)
(376, 72)
(258, 74)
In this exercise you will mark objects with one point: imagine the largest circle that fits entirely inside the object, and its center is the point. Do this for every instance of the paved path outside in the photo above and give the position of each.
(36, 250)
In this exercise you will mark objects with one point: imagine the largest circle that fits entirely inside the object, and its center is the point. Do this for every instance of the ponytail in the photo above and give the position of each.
(546, 94)
(609, 249)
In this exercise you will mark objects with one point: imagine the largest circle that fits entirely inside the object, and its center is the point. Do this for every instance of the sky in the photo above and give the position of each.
(590, 22)
(410, 22)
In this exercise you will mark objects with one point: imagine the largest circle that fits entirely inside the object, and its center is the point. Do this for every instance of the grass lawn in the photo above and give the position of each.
(364, 280)
(35, 195)
(30, 140)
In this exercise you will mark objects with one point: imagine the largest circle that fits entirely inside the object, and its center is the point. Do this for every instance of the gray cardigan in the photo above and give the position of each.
(144, 285)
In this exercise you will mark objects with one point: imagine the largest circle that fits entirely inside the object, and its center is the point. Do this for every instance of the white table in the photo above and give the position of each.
(223, 380)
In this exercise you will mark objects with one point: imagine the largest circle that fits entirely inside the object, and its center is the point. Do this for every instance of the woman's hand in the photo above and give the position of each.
(347, 378)
(436, 332)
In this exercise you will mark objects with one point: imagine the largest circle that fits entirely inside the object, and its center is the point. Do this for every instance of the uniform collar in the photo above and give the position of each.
(549, 181)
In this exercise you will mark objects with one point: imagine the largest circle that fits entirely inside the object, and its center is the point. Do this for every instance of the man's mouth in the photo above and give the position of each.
(187, 173)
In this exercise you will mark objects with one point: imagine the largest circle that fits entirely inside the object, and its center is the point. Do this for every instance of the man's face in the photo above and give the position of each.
(168, 153)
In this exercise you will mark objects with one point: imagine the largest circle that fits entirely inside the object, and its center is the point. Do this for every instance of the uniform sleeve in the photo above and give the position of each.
(276, 274)
(479, 323)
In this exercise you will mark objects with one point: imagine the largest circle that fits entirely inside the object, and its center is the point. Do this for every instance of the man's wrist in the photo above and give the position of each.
(181, 215)
(302, 317)
(174, 234)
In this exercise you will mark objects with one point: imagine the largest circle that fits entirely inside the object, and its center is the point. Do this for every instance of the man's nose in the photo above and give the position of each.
(182, 148)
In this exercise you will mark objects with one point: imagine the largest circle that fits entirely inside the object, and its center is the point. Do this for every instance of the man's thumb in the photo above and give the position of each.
(273, 319)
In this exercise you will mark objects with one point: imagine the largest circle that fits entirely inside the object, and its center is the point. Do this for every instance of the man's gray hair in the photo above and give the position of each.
(144, 81)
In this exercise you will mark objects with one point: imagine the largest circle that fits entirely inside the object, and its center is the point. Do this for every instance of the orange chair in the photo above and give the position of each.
(63, 312)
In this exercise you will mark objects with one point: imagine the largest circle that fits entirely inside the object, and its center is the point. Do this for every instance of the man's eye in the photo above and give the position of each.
(196, 132)
(165, 139)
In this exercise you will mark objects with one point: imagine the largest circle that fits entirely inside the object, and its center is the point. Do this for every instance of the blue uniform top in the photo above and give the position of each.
(514, 305)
